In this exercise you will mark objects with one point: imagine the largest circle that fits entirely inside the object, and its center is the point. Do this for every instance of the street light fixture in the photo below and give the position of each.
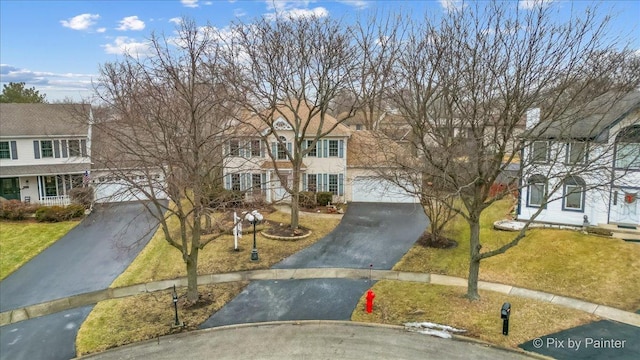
(253, 218)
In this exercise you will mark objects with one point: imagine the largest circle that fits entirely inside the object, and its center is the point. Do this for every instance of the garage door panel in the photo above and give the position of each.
(372, 189)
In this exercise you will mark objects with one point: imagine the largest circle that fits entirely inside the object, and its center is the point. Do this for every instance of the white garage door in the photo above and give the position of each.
(107, 193)
(372, 189)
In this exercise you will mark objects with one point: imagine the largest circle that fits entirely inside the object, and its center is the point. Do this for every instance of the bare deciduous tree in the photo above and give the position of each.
(160, 136)
(292, 68)
(465, 84)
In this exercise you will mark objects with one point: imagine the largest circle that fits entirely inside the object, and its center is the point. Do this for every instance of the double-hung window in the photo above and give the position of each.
(234, 148)
(333, 148)
(574, 190)
(333, 183)
(256, 182)
(74, 147)
(235, 182)
(540, 152)
(46, 148)
(314, 151)
(536, 191)
(255, 148)
(576, 153)
(5, 150)
(281, 148)
(312, 182)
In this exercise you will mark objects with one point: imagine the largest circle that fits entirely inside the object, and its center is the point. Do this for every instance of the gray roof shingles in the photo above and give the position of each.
(43, 119)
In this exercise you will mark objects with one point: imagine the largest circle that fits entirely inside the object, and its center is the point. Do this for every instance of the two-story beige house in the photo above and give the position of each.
(44, 151)
(253, 154)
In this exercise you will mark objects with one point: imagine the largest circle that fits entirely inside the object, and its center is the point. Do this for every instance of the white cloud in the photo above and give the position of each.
(293, 9)
(176, 20)
(208, 2)
(126, 45)
(532, 4)
(239, 13)
(101, 30)
(56, 86)
(358, 4)
(131, 23)
(80, 22)
(190, 3)
(452, 5)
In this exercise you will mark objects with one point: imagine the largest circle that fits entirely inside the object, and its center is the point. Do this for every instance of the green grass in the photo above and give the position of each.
(400, 302)
(119, 322)
(21, 241)
(564, 262)
(160, 261)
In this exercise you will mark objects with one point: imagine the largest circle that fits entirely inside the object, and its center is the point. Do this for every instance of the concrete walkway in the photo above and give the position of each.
(33, 311)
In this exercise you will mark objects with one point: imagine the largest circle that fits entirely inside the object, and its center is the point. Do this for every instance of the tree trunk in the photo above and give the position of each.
(474, 260)
(192, 275)
(295, 197)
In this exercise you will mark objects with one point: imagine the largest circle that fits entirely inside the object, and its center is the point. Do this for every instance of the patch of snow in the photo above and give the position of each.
(433, 329)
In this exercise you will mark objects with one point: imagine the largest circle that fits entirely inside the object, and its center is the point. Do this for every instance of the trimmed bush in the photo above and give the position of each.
(307, 199)
(82, 196)
(16, 210)
(324, 198)
(227, 199)
(59, 213)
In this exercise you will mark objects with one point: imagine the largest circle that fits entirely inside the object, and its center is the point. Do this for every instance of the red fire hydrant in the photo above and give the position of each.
(370, 297)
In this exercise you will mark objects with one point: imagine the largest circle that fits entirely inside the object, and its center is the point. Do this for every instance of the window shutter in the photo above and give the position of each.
(14, 150)
(325, 181)
(56, 148)
(64, 148)
(227, 182)
(225, 148)
(319, 148)
(243, 182)
(341, 149)
(36, 149)
(83, 147)
(262, 145)
(325, 147)
(263, 180)
(274, 149)
(243, 152)
(304, 183)
(341, 183)
(304, 147)
(289, 149)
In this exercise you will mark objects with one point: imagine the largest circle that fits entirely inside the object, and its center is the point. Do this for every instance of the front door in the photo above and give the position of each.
(280, 192)
(625, 209)
(10, 188)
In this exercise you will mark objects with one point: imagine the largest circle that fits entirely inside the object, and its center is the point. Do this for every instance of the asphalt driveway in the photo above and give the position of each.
(377, 234)
(88, 258)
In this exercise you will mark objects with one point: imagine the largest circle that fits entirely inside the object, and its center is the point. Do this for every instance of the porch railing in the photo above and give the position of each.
(62, 200)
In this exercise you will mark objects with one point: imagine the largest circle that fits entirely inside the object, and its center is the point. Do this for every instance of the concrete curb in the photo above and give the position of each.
(50, 307)
(285, 238)
(311, 322)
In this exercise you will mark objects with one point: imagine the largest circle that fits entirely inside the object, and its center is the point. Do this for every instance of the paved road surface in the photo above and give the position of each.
(598, 340)
(378, 234)
(307, 341)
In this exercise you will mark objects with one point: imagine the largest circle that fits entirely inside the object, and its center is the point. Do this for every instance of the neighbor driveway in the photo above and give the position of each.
(87, 259)
(369, 234)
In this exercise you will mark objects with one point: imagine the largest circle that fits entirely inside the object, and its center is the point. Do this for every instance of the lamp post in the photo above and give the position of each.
(175, 304)
(253, 218)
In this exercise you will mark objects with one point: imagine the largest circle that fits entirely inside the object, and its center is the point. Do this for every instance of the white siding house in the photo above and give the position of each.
(45, 151)
(593, 166)
(251, 160)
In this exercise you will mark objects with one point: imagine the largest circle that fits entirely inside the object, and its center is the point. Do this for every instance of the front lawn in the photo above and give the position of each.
(564, 262)
(400, 302)
(20, 241)
(160, 261)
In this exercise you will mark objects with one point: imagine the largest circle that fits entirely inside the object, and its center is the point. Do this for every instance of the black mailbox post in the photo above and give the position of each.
(504, 314)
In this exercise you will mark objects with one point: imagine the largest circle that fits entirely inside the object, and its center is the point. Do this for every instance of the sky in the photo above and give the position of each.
(58, 46)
